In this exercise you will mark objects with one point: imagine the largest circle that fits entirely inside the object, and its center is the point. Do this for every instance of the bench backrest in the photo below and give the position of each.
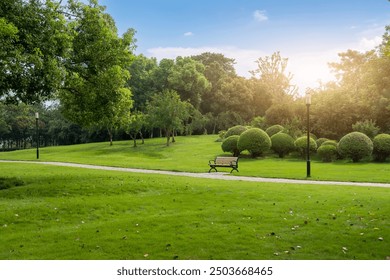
(226, 160)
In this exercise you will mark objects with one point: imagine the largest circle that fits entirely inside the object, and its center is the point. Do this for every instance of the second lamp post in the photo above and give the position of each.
(37, 128)
(308, 102)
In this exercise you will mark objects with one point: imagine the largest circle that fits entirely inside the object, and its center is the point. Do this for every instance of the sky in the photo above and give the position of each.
(309, 33)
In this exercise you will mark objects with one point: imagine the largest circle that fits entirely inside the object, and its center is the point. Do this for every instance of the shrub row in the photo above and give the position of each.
(354, 145)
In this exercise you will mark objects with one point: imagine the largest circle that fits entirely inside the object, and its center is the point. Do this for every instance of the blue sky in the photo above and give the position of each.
(309, 33)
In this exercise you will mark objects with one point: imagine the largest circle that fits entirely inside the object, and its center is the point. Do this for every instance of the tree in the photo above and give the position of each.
(167, 111)
(271, 71)
(34, 40)
(94, 92)
(137, 122)
(188, 80)
(143, 80)
(236, 96)
(217, 69)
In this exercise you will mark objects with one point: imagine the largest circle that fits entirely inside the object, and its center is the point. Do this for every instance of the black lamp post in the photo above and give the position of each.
(37, 127)
(308, 102)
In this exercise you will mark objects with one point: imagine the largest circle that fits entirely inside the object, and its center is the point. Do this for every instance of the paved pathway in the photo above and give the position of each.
(216, 176)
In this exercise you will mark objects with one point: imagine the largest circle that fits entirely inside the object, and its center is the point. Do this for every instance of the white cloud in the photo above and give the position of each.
(367, 44)
(188, 34)
(260, 15)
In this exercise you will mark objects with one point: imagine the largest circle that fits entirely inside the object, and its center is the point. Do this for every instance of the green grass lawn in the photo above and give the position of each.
(70, 213)
(193, 153)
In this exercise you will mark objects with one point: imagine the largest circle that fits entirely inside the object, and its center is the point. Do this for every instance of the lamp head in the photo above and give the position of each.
(308, 98)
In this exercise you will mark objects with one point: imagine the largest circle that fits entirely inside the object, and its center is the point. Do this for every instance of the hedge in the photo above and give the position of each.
(355, 145)
(255, 140)
(282, 144)
(381, 147)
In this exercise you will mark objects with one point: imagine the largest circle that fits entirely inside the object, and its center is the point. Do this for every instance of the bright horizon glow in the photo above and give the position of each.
(310, 34)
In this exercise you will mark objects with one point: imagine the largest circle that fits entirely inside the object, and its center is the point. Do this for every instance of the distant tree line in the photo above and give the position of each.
(70, 56)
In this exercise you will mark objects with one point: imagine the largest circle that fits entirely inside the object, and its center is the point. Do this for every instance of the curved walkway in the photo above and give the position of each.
(217, 176)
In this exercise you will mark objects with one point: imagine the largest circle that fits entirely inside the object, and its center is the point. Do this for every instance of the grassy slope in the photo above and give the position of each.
(193, 153)
(68, 213)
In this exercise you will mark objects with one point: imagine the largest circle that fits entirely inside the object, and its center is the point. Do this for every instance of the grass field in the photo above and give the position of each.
(70, 213)
(49, 212)
(193, 153)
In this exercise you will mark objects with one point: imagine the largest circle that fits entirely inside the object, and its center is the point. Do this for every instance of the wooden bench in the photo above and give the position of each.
(231, 162)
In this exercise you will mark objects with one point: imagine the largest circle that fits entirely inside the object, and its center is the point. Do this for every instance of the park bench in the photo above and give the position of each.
(231, 162)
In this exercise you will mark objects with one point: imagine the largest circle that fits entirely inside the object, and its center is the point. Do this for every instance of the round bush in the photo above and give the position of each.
(381, 147)
(235, 130)
(301, 145)
(327, 153)
(282, 144)
(255, 140)
(319, 141)
(272, 130)
(330, 142)
(230, 145)
(355, 145)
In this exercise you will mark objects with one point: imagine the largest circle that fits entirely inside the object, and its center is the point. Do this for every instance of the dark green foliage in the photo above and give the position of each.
(368, 127)
(258, 122)
(254, 140)
(230, 145)
(272, 130)
(355, 145)
(327, 153)
(282, 144)
(381, 147)
(319, 141)
(235, 130)
(301, 145)
(6, 183)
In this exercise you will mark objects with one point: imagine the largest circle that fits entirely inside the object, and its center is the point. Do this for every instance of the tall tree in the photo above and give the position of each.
(34, 41)
(217, 69)
(94, 92)
(272, 73)
(142, 81)
(187, 78)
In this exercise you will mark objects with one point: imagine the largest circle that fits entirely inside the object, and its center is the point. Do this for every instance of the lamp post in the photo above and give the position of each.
(308, 103)
(37, 127)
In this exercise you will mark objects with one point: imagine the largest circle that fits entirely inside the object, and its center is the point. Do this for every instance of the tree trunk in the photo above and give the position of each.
(110, 136)
(168, 134)
(142, 137)
(134, 138)
(173, 136)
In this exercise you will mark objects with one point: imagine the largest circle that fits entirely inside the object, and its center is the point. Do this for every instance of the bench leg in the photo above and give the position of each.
(233, 168)
(212, 169)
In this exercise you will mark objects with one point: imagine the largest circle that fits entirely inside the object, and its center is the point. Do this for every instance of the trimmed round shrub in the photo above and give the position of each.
(230, 145)
(235, 130)
(327, 153)
(282, 144)
(381, 147)
(330, 142)
(355, 145)
(301, 145)
(255, 140)
(319, 141)
(272, 130)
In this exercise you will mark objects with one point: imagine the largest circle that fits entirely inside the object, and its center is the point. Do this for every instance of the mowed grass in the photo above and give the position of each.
(70, 213)
(192, 153)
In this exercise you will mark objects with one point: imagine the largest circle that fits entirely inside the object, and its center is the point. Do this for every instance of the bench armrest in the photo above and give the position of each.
(212, 161)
